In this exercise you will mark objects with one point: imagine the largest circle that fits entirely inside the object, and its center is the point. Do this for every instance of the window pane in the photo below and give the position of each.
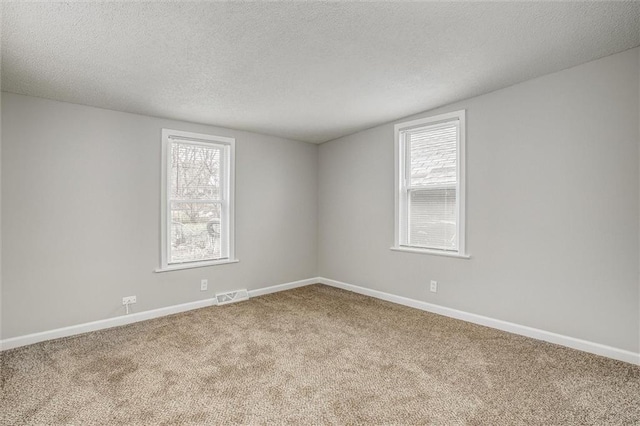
(433, 155)
(195, 172)
(195, 232)
(432, 218)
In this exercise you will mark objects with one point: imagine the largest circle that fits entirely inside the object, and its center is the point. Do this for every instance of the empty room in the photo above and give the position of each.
(374, 213)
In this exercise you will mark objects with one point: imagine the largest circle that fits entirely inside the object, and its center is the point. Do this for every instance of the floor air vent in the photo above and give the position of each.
(232, 297)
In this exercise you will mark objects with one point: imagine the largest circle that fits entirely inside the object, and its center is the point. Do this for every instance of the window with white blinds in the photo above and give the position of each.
(197, 199)
(430, 184)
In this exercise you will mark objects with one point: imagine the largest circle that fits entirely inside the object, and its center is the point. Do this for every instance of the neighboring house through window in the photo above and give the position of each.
(197, 199)
(430, 190)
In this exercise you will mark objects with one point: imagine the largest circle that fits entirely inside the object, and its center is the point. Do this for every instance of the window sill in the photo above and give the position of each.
(432, 252)
(180, 266)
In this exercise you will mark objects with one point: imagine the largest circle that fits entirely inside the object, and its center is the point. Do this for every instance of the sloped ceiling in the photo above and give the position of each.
(309, 71)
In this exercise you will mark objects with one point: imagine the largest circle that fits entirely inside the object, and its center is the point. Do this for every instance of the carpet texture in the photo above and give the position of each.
(313, 355)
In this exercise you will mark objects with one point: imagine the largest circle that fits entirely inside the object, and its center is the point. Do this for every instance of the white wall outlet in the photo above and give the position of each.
(204, 284)
(128, 300)
(434, 286)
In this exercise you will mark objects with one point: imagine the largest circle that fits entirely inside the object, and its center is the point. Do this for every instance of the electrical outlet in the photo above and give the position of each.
(128, 300)
(204, 284)
(434, 286)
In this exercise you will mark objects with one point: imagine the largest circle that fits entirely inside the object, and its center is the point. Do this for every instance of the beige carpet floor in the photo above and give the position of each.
(313, 355)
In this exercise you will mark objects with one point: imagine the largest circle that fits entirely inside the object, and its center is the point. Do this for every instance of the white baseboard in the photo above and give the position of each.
(73, 330)
(29, 339)
(282, 287)
(547, 336)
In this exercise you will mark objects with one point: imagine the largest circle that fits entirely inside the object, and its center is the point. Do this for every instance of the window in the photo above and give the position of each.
(197, 200)
(430, 214)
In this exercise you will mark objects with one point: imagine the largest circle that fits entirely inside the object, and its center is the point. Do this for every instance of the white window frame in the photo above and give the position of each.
(401, 189)
(228, 198)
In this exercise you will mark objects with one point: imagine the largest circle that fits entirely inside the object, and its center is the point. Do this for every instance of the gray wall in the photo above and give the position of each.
(81, 218)
(552, 220)
(552, 207)
(1, 221)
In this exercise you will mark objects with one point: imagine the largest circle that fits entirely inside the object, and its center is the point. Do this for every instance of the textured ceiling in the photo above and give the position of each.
(305, 71)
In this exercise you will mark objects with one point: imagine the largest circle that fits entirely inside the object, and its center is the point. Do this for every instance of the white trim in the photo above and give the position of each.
(191, 265)
(398, 152)
(227, 203)
(29, 339)
(461, 196)
(401, 186)
(534, 333)
(419, 250)
(73, 330)
(231, 199)
(196, 137)
(431, 120)
(282, 287)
